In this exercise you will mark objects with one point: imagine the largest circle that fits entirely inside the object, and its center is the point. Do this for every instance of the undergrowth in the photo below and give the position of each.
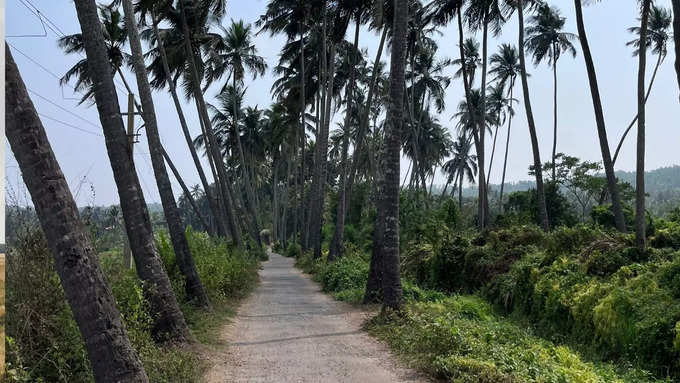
(44, 343)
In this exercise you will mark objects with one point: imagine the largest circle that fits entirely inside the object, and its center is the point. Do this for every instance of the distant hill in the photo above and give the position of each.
(662, 185)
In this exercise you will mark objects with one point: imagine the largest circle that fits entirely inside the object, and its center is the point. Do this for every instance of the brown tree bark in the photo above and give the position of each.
(169, 321)
(112, 357)
(193, 286)
(393, 129)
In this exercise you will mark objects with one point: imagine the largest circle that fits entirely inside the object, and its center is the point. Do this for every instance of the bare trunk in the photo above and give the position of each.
(543, 212)
(193, 285)
(112, 357)
(493, 152)
(212, 142)
(676, 37)
(185, 130)
(392, 289)
(659, 60)
(186, 190)
(640, 237)
(599, 119)
(482, 193)
(337, 246)
(507, 147)
(554, 148)
(169, 321)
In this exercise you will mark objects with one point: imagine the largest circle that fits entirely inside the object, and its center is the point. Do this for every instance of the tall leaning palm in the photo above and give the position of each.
(658, 35)
(547, 40)
(540, 190)
(640, 236)
(235, 53)
(505, 67)
(599, 120)
(185, 260)
(169, 321)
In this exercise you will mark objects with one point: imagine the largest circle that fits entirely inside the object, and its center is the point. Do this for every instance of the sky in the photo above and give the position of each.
(33, 27)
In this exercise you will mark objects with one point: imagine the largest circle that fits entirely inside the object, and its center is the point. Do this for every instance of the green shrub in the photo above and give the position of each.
(349, 272)
(293, 250)
(667, 236)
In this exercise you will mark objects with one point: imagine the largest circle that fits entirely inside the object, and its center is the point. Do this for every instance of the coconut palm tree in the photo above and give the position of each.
(472, 60)
(505, 66)
(599, 120)
(236, 54)
(499, 109)
(658, 35)
(462, 166)
(547, 40)
(115, 36)
(389, 200)
(542, 209)
(640, 233)
(176, 229)
(168, 318)
(111, 355)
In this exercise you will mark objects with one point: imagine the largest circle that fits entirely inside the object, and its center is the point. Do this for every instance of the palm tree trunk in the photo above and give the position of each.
(112, 357)
(169, 321)
(543, 212)
(493, 152)
(186, 190)
(599, 119)
(373, 291)
(193, 285)
(507, 147)
(275, 196)
(460, 190)
(390, 191)
(659, 60)
(337, 247)
(303, 132)
(554, 147)
(483, 195)
(185, 129)
(212, 147)
(676, 37)
(466, 86)
(640, 237)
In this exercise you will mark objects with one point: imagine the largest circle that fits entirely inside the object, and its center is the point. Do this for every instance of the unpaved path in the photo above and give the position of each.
(289, 331)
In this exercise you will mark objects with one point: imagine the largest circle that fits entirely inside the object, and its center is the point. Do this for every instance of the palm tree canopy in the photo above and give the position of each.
(505, 64)
(545, 35)
(658, 31)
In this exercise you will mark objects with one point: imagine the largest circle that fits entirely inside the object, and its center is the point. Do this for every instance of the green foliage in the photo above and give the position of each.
(521, 208)
(293, 250)
(44, 342)
(461, 339)
(667, 235)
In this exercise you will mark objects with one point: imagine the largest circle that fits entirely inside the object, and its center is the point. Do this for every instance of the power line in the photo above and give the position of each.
(42, 23)
(64, 109)
(70, 125)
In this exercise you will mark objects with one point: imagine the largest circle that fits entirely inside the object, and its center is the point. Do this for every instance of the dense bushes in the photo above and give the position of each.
(44, 342)
(461, 339)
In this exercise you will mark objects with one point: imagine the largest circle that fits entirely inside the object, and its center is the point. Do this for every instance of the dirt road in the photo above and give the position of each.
(289, 331)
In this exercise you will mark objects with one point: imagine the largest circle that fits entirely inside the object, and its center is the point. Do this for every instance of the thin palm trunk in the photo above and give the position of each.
(507, 147)
(168, 318)
(659, 60)
(460, 190)
(483, 195)
(493, 152)
(599, 119)
(212, 203)
(275, 196)
(186, 190)
(392, 289)
(112, 357)
(543, 212)
(193, 285)
(303, 133)
(640, 237)
(554, 147)
(213, 150)
(337, 246)
(246, 171)
(676, 37)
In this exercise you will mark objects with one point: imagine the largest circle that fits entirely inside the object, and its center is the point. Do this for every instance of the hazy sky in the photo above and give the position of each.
(81, 152)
